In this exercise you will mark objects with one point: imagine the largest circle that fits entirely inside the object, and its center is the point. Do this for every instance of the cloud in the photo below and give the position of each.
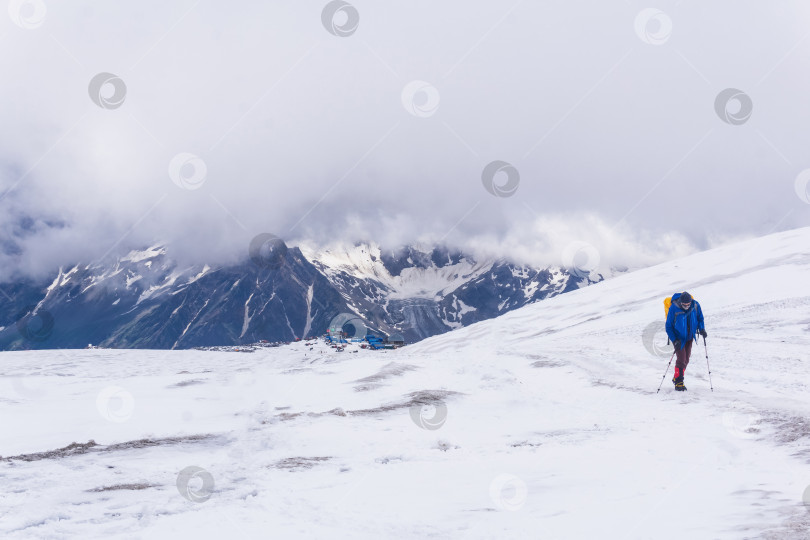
(313, 136)
(546, 240)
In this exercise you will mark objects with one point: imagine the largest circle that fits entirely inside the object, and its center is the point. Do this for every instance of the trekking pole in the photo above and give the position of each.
(665, 373)
(707, 364)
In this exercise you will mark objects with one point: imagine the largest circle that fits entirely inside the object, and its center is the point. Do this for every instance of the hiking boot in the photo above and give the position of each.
(678, 382)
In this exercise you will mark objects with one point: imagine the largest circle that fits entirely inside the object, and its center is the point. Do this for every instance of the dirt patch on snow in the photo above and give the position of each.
(298, 463)
(422, 397)
(75, 449)
(123, 487)
(548, 363)
(392, 369)
(190, 382)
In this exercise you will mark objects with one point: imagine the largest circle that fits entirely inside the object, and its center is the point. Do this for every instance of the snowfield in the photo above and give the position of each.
(542, 423)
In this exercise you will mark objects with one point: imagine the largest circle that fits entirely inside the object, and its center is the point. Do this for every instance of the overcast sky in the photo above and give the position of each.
(315, 128)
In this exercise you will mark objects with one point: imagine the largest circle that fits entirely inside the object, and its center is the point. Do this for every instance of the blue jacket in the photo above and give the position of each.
(683, 325)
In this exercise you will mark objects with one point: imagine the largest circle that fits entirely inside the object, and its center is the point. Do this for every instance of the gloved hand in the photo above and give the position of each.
(703, 333)
(677, 344)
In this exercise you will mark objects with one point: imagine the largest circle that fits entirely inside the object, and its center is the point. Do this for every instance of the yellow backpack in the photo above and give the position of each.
(668, 302)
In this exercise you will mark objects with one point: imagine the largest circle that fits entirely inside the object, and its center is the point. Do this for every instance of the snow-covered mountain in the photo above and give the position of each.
(422, 291)
(541, 423)
(145, 300)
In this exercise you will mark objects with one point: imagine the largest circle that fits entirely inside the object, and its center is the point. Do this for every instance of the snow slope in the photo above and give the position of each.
(542, 423)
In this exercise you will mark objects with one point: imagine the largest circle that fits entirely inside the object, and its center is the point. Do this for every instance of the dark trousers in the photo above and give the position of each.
(682, 359)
